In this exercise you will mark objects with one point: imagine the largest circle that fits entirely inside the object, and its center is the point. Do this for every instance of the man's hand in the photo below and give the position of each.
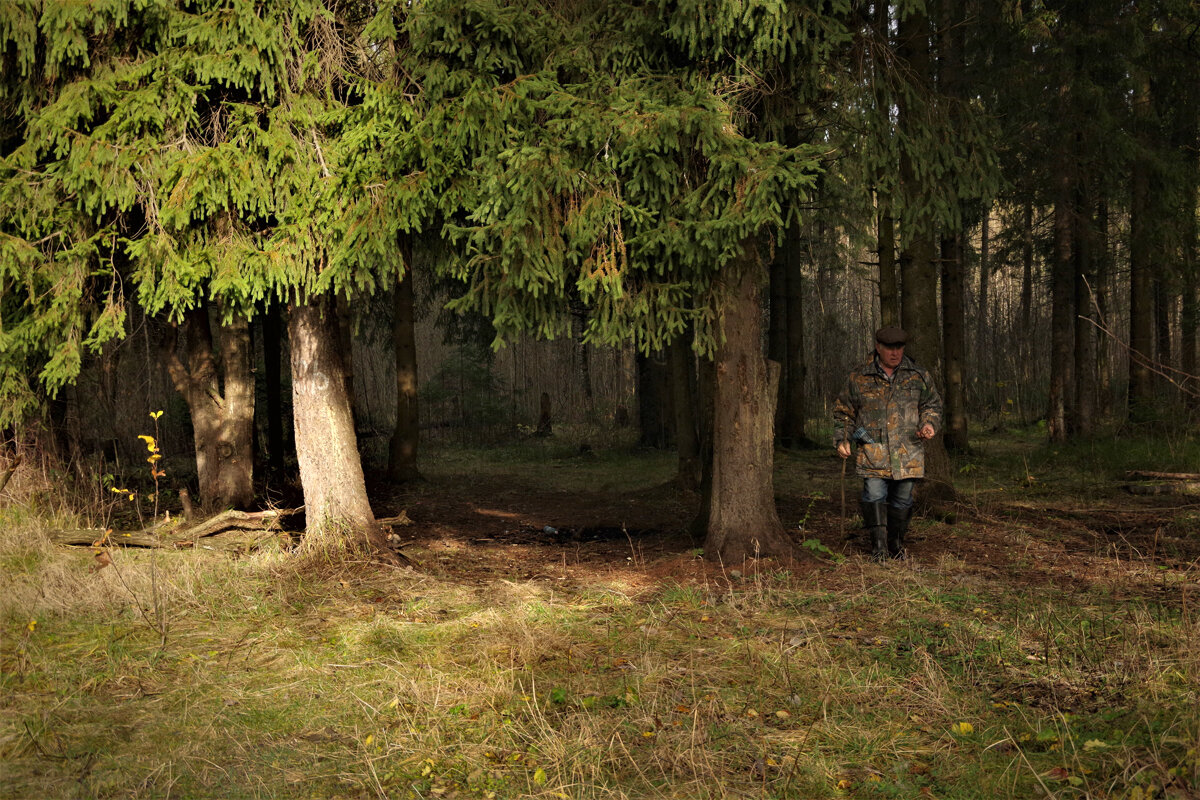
(926, 431)
(843, 449)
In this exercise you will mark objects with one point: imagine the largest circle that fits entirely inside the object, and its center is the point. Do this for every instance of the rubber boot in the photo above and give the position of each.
(875, 522)
(897, 526)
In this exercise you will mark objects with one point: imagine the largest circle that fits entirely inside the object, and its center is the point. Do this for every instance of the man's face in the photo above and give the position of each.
(889, 354)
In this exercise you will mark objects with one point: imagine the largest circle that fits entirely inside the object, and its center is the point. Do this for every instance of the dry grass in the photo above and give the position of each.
(195, 675)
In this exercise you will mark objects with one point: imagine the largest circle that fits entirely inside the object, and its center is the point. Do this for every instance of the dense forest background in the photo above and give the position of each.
(466, 223)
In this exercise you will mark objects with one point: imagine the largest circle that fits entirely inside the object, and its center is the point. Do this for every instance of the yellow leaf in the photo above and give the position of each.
(32, 624)
(539, 777)
(155, 414)
(154, 457)
(845, 783)
(962, 728)
(370, 738)
(781, 714)
(1094, 744)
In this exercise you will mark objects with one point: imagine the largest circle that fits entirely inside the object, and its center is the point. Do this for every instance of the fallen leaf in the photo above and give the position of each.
(962, 728)
(102, 561)
(1058, 774)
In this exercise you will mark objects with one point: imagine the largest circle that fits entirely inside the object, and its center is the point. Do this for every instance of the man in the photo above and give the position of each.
(889, 408)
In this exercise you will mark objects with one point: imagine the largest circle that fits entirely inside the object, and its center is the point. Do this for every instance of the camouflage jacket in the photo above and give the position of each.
(890, 412)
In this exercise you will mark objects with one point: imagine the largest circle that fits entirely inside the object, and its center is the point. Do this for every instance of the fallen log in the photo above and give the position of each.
(1137, 474)
(1176, 487)
(263, 523)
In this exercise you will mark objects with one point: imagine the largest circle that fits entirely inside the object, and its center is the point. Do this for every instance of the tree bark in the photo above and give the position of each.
(1025, 342)
(743, 521)
(1141, 274)
(402, 452)
(918, 275)
(220, 398)
(1086, 378)
(1062, 317)
(338, 515)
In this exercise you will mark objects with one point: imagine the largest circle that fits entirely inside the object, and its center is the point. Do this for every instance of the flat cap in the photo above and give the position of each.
(892, 335)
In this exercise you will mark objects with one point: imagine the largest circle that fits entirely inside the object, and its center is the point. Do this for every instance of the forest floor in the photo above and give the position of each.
(561, 634)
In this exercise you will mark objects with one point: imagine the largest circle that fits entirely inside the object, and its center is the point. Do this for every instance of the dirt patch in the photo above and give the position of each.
(486, 528)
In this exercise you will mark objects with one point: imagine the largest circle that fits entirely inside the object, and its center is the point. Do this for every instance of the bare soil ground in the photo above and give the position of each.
(488, 527)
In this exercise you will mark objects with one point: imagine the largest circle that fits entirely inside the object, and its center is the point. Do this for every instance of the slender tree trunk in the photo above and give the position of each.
(683, 382)
(272, 359)
(795, 416)
(889, 289)
(1062, 317)
(1084, 410)
(338, 515)
(1141, 276)
(983, 353)
(653, 411)
(953, 334)
(1103, 261)
(743, 522)
(220, 398)
(1025, 342)
(1189, 319)
(402, 452)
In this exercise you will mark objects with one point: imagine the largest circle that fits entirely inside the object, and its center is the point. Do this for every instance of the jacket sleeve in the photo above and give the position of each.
(845, 412)
(930, 405)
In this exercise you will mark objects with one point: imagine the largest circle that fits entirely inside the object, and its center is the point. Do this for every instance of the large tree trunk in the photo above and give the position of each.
(743, 522)
(918, 275)
(402, 455)
(889, 289)
(220, 398)
(955, 341)
(338, 515)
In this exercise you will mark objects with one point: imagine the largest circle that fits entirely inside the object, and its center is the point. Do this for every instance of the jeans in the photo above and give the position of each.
(897, 493)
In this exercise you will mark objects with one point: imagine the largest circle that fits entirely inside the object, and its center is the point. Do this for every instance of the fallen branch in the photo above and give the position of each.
(262, 523)
(9, 470)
